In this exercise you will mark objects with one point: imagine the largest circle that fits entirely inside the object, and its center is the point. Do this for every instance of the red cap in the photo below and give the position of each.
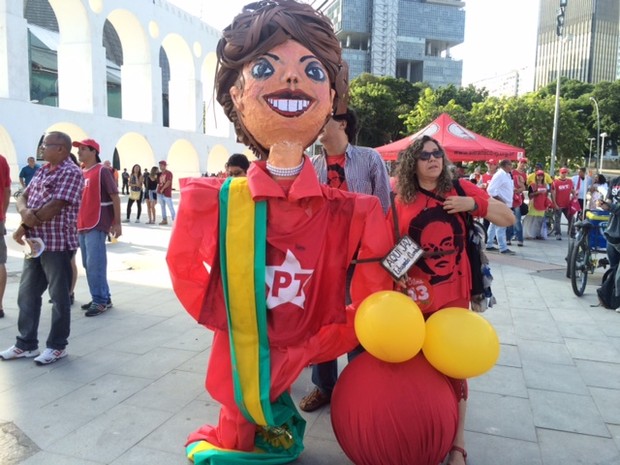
(540, 172)
(563, 170)
(163, 162)
(88, 143)
(522, 160)
(491, 161)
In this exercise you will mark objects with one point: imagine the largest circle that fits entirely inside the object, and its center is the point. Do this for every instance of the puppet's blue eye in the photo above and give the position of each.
(262, 69)
(316, 72)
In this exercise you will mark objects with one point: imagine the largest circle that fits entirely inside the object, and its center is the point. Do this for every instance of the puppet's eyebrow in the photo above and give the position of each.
(302, 59)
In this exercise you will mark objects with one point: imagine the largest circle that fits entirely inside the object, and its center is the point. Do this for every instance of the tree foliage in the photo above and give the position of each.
(393, 108)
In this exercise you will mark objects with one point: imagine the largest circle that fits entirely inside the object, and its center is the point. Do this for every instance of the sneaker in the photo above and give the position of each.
(138, 220)
(520, 244)
(15, 352)
(1, 313)
(492, 249)
(89, 304)
(163, 222)
(96, 309)
(50, 356)
(508, 252)
(508, 243)
(558, 238)
(126, 221)
(314, 401)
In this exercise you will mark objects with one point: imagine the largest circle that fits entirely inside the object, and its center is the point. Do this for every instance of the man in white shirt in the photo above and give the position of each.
(501, 188)
(582, 184)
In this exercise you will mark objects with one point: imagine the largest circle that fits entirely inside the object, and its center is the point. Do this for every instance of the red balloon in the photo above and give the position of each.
(394, 413)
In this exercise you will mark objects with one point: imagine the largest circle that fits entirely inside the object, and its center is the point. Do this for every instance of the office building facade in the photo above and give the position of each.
(408, 39)
(588, 50)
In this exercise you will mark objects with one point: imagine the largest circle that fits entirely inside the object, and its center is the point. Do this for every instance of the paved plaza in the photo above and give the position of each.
(131, 388)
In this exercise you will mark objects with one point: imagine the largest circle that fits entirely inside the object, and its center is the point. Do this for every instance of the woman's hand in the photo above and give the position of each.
(458, 204)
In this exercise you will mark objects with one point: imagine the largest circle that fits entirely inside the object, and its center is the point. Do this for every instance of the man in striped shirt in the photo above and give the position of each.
(355, 169)
(48, 209)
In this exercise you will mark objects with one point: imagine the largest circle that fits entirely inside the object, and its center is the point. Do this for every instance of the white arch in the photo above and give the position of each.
(183, 160)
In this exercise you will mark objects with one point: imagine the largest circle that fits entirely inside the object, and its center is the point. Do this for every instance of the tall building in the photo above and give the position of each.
(589, 44)
(408, 39)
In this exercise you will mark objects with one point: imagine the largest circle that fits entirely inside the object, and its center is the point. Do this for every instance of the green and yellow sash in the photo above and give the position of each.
(243, 240)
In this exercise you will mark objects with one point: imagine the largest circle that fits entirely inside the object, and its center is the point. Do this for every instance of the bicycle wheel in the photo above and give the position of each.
(579, 266)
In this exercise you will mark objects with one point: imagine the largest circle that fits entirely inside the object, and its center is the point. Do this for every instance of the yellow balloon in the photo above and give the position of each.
(390, 326)
(460, 343)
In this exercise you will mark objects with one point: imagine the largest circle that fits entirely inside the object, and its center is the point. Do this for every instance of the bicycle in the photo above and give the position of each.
(583, 256)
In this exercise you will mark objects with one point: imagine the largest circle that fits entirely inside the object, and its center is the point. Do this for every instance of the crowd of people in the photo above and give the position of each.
(539, 202)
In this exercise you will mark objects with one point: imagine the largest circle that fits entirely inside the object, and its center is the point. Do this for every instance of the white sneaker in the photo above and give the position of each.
(50, 356)
(15, 352)
(138, 220)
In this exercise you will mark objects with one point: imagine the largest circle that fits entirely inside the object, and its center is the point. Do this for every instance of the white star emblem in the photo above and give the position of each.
(286, 282)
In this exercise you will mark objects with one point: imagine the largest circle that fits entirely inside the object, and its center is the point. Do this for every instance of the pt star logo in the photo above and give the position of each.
(286, 282)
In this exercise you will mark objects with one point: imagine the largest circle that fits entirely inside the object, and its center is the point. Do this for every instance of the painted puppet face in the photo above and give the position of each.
(284, 96)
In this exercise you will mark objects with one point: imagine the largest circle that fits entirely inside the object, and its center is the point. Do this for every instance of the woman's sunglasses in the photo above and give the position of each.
(427, 155)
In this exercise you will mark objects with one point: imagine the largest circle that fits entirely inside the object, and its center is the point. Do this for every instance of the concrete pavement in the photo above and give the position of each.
(131, 388)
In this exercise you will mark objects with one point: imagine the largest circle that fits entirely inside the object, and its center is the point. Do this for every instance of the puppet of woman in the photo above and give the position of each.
(262, 260)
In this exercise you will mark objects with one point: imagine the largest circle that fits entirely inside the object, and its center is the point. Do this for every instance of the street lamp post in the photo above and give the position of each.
(556, 115)
(591, 139)
(598, 129)
(603, 135)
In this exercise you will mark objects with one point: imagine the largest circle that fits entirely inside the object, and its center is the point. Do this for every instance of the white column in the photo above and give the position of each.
(185, 112)
(14, 65)
(138, 96)
(82, 77)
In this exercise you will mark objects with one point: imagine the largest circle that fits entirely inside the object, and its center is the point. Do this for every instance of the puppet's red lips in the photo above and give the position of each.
(289, 103)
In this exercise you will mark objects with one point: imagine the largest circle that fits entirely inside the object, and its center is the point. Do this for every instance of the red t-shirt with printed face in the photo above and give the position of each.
(163, 177)
(335, 172)
(436, 282)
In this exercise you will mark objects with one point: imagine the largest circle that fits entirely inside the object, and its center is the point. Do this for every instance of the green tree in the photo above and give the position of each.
(378, 119)
(379, 101)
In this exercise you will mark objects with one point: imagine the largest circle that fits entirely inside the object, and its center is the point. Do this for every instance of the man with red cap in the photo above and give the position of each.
(562, 192)
(99, 215)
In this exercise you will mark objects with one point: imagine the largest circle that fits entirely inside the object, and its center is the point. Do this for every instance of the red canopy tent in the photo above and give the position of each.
(460, 143)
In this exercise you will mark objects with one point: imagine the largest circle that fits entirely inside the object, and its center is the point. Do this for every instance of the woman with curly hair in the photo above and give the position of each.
(261, 260)
(429, 209)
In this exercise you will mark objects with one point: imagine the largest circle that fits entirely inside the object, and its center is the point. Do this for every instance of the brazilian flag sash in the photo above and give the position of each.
(243, 240)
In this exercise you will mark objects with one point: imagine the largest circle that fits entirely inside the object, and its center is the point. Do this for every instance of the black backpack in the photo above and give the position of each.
(607, 292)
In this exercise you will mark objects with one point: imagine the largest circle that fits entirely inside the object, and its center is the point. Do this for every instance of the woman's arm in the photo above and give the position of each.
(499, 214)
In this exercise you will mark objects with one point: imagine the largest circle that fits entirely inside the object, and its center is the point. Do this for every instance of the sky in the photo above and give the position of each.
(500, 35)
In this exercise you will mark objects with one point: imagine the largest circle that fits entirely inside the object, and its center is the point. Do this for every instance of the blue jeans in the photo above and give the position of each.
(52, 271)
(517, 228)
(325, 375)
(499, 233)
(163, 201)
(95, 262)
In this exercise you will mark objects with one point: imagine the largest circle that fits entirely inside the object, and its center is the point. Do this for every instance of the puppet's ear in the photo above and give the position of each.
(236, 93)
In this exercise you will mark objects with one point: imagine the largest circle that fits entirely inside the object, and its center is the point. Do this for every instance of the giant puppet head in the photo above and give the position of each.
(280, 75)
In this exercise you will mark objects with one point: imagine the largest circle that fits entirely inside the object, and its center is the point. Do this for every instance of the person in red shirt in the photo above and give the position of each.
(278, 237)
(164, 192)
(562, 191)
(519, 177)
(429, 209)
(5, 197)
